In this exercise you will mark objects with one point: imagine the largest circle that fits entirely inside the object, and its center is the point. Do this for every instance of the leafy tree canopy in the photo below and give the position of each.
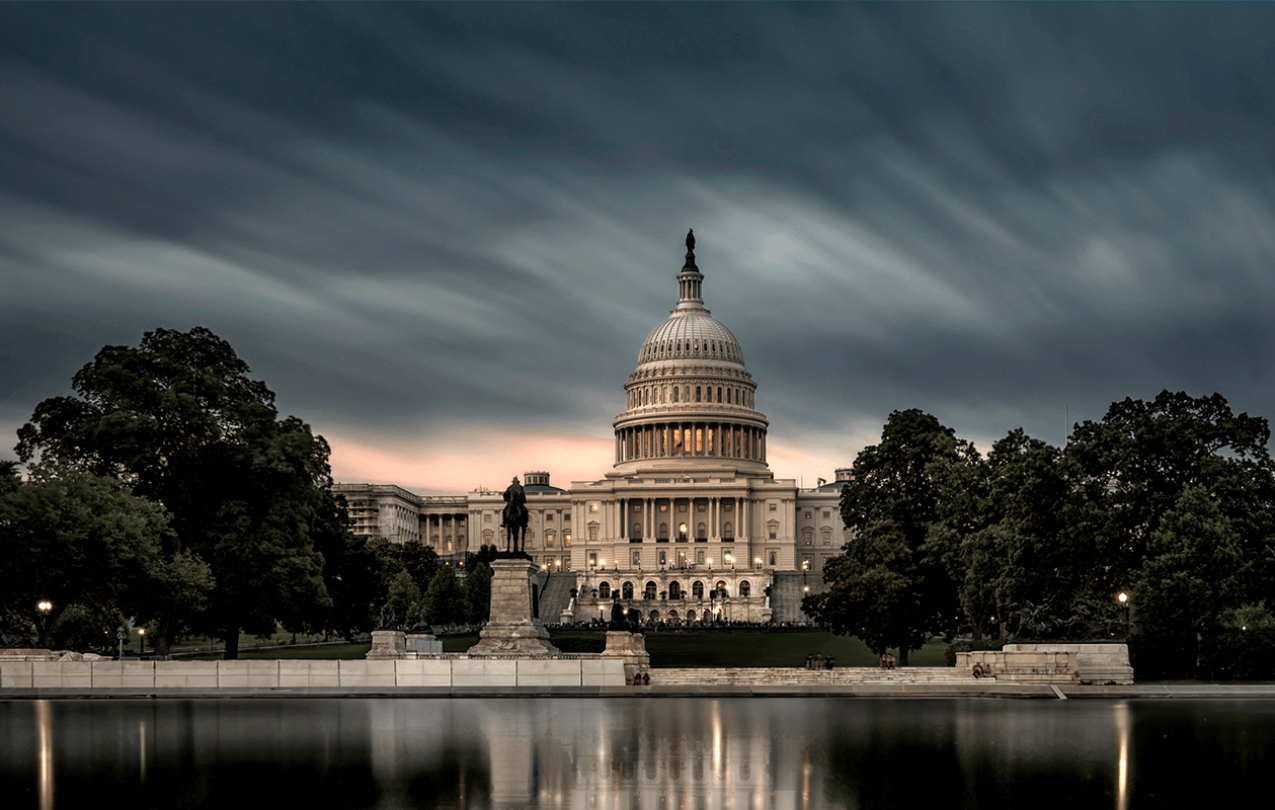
(71, 538)
(444, 599)
(875, 592)
(179, 419)
(1142, 456)
(477, 593)
(1010, 530)
(897, 484)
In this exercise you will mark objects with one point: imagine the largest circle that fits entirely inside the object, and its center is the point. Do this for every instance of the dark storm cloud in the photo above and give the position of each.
(408, 216)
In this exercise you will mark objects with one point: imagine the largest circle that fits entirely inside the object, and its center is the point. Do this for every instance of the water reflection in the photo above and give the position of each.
(634, 754)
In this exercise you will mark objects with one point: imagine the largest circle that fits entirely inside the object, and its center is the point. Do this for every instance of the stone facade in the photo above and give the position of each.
(689, 498)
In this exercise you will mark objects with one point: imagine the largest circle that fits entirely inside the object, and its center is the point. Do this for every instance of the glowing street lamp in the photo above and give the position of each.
(44, 607)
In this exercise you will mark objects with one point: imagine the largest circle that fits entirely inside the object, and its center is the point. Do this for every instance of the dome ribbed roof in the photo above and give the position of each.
(690, 335)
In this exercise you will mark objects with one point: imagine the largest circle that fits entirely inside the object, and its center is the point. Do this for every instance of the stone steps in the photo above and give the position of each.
(555, 594)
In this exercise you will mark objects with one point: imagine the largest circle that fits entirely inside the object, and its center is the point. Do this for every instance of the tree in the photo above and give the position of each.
(485, 554)
(444, 599)
(1009, 527)
(405, 598)
(898, 483)
(179, 420)
(477, 593)
(350, 571)
(875, 592)
(73, 538)
(391, 559)
(10, 480)
(1192, 577)
(1136, 463)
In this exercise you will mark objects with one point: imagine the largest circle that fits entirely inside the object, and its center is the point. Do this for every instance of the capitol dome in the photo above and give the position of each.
(687, 334)
(690, 399)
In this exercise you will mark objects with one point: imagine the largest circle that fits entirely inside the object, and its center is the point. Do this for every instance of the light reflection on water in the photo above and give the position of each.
(633, 753)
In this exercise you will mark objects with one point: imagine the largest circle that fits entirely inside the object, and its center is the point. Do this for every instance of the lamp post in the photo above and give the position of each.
(120, 635)
(1123, 599)
(141, 641)
(44, 607)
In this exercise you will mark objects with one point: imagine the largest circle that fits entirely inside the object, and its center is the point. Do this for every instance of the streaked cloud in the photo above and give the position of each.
(440, 232)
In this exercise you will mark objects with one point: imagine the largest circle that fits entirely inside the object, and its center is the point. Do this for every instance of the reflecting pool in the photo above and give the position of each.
(635, 753)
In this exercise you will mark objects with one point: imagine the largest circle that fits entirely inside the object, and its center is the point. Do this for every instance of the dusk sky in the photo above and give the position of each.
(441, 232)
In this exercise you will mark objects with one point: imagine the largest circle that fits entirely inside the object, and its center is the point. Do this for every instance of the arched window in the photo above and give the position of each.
(697, 589)
(701, 532)
(675, 590)
(655, 615)
(690, 615)
(719, 393)
(697, 393)
(721, 587)
(826, 531)
(626, 590)
(728, 531)
(745, 589)
(649, 591)
(663, 531)
(675, 393)
(637, 531)
(604, 590)
(549, 538)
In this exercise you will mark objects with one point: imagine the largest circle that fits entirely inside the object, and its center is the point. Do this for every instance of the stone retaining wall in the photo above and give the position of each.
(300, 673)
(800, 676)
(1054, 663)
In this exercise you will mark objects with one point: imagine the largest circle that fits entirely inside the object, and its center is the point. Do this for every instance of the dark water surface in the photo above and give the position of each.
(661, 754)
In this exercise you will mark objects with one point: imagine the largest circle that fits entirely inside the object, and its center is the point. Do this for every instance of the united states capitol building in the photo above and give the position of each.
(689, 524)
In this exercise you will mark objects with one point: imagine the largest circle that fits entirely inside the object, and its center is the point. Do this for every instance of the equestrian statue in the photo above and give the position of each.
(514, 518)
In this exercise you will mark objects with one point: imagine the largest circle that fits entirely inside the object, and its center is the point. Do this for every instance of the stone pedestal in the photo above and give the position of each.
(629, 648)
(424, 644)
(388, 644)
(1095, 663)
(1053, 663)
(512, 626)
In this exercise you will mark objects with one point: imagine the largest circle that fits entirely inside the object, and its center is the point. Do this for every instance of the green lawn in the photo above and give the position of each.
(755, 650)
(327, 652)
(679, 650)
(771, 650)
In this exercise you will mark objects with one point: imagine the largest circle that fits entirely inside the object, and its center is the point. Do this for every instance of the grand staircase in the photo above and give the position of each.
(555, 594)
